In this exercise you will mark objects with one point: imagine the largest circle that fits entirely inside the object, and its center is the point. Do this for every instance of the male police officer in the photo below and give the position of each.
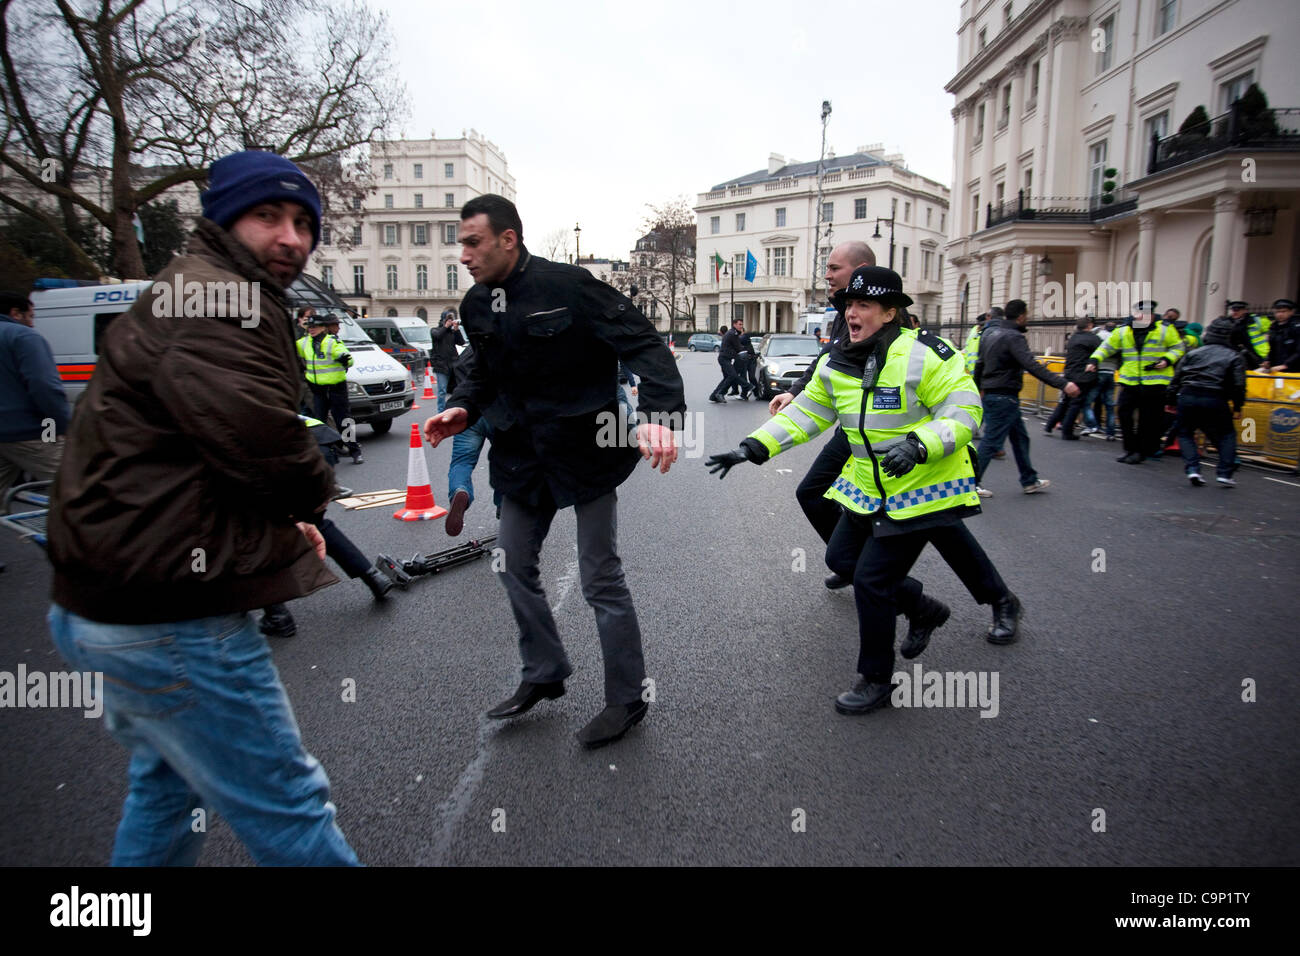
(546, 340)
(1148, 351)
(327, 361)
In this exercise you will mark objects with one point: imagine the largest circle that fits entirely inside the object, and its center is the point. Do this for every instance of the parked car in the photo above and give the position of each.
(783, 359)
(704, 342)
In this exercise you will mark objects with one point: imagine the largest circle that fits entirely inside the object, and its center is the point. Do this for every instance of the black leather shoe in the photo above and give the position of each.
(456, 516)
(1006, 620)
(864, 698)
(834, 582)
(717, 400)
(377, 581)
(1132, 458)
(525, 697)
(931, 615)
(612, 723)
(277, 622)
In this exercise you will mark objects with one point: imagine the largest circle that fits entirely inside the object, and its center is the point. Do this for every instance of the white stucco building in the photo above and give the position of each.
(401, 255)
(1053, 94)
(772, 213)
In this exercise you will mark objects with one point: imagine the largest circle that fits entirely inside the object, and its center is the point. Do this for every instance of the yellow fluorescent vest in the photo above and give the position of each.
(326, 368)
(1162, 342)
(923, 388)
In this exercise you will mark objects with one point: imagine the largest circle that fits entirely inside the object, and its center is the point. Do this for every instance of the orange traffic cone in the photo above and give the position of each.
(420, 505)
(428, 384)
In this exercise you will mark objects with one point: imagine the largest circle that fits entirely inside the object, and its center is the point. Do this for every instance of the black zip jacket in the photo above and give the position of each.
(543, 368)
(1078, 354)
(1284, 344)
(1004, 357)
(443, 357)
(731, 346)
(1213, 369)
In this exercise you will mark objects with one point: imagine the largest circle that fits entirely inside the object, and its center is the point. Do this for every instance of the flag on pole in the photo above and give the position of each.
(717, 266)
(751, 266)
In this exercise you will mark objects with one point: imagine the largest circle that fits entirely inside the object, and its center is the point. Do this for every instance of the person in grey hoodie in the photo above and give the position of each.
(1208, 378)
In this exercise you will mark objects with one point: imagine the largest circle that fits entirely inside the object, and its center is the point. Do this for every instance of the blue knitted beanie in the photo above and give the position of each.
(241, 181)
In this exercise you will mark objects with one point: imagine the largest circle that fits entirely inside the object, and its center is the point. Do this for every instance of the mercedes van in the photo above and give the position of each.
(407, 338)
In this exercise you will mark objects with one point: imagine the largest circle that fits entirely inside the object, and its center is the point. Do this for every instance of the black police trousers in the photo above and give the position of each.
(883, 588)
(1148, 403)
(333, 400)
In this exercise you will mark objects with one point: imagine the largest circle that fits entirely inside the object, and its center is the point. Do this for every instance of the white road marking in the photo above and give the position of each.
(1280, 481)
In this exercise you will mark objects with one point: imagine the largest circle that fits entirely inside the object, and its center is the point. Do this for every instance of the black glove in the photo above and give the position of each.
(903, 457)
(721, 464)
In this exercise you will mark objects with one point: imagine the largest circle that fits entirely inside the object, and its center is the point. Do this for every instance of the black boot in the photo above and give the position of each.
(930, 615)
(377, 581)
(1007, 613)
(865, 697)
(277, 622)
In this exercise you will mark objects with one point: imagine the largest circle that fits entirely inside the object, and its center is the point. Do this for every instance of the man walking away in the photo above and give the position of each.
(1207, 380)
(185, 500)
(1004, 358)
(33, 405)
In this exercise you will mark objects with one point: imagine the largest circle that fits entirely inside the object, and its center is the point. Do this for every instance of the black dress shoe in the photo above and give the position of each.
(277, 622)
(716, 399)
(378, 582)
(612, 723)
(456, 516)
(864, 698)
(525, 697)
(931, 615)
(1132, 458)
(834, 582)
(1006, 620)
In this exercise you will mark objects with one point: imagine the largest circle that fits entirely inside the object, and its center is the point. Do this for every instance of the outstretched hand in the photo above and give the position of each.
(445, 424)
(721, 464)
(658, 444)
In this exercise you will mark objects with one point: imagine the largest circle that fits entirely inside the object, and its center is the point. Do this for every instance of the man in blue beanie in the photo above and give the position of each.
(185, 499)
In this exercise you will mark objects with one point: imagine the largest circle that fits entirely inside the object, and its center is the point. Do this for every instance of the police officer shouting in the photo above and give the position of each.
(546, 342)
(327, 361)
(909, 410)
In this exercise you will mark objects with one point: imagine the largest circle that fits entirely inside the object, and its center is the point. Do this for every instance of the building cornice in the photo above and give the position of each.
(1019, 27)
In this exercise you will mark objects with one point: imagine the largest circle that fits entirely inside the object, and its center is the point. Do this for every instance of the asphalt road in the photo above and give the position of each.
(1121, 736)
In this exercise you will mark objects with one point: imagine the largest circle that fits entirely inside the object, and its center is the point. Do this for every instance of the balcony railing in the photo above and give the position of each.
(1082, 209)
(1268, 129)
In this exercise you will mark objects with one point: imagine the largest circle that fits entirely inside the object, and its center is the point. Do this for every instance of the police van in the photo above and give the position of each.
(73, 319)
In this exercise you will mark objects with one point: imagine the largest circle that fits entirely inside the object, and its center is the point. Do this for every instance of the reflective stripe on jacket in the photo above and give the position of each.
(972, 349)
(1162, 342)
(919, 391)
(326, 368)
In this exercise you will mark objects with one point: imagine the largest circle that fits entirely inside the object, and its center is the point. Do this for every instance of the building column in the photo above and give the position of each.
(986, 155)
(1146, 261)
(1017, 272)
(960, 162)
(1222, 286)
(1013, 128)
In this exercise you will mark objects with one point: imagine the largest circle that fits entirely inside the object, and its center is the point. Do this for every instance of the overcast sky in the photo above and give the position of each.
(601, 108)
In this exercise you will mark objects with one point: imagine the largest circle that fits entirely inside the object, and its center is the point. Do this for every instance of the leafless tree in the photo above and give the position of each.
(557, 245)
(663, 263)
(147, 95)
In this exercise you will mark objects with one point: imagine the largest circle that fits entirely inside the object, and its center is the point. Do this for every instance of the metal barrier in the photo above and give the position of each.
(1269, 427)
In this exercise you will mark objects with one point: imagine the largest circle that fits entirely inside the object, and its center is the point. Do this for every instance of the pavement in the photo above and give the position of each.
(1147, 716)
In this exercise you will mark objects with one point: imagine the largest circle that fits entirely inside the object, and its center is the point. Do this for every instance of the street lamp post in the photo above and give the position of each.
(817, 230)
(577, 243)
(876, 235)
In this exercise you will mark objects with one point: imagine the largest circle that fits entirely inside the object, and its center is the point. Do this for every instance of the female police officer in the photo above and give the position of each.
(909, 410)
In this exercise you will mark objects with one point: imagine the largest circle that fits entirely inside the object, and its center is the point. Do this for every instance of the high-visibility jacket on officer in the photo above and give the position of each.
(327, 359)
(1162, 341)
(972, 348)
(909, 410)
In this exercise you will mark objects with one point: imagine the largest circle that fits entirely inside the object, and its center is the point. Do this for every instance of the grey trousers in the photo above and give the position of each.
(522, 530)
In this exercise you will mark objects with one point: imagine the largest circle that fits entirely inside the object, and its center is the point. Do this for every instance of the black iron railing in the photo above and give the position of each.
(1274, 129)
(1083, 209)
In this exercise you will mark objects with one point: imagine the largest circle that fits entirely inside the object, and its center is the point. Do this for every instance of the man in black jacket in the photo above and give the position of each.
(1208, 378)
(442, 359)
(727, 354)
(1283, 340)
(546, 340)
(1004, 358)
(1078, 355)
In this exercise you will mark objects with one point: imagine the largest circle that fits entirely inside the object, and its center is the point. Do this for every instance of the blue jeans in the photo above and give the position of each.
(1089, 415)
(201, 709)
(1214, 417)
(1104, 401)
(442, 390)
(1002, 421)
(465, 450)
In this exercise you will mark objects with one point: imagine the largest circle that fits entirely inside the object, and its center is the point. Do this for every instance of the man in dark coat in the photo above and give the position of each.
(1078, 355)
(1207, 380)
(442, 359)
(185, 499)
(728, 354)
(546, 341)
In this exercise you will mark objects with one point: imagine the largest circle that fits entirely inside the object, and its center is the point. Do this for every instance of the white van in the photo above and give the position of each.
(73, 321)
(407, 338)
(815, 319)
